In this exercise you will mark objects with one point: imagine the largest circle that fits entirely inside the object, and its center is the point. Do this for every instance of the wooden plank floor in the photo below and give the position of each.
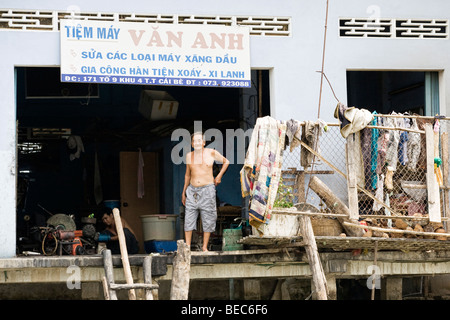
(348, 243)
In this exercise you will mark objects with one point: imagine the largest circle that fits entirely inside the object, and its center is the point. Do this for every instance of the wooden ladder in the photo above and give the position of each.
(109, 287)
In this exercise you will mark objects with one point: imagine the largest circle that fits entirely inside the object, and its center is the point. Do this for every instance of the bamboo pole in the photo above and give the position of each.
(124, 253)
(320, 214)
(331, 124)
(378, 216)
(337, 215)
(387, 230)
(395, 128)
(409, 116)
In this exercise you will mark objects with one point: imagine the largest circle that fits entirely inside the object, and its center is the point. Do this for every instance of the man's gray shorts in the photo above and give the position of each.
(201, 199)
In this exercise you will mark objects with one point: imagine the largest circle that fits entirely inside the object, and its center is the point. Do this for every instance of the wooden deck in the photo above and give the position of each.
(348, 243)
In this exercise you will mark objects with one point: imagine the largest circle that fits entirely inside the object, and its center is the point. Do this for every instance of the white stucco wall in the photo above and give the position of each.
(292, 61)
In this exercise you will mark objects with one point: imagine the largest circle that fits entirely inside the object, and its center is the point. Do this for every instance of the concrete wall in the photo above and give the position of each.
(292, 61)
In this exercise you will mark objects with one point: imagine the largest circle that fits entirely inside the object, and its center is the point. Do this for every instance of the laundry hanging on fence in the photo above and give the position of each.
(308, 137)
(384, 150)
(307, 132)
(369, 144)
(261, 172)
(293, 133)
(393, 142)
(413, 146)
(352, 119)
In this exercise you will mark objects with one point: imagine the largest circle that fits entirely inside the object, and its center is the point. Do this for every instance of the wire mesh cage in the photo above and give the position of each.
(394, 165)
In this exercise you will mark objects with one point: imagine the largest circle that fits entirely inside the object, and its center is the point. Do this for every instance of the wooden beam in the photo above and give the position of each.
(335, 204)
(124, 253)
(124, 286)
(352, 151)
(147, 266)
(300, 182)
(445, 162)
(318, 275)
(434, 204)
(387, 230)
(109, 275)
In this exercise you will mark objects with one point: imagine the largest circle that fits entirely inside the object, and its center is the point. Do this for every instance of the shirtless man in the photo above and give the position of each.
(199, 192)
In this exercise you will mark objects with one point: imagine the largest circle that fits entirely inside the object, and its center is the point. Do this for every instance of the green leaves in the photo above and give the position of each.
(285, 196)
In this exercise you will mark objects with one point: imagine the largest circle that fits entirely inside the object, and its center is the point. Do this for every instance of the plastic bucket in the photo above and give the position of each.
(112, 204)
(230, 239)
(159, 226)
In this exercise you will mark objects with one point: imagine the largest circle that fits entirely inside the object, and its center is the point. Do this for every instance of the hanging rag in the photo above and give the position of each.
(383, 140)
(261, 172)
(359, 167)
(366, 141)
(140, 176)
(374, 153)
(403, 143)
(369, 146)
(75, 142)
(352, 119)
(293, 132)
(309, 138)
(98, 192)
(414, 146)
(392, 146)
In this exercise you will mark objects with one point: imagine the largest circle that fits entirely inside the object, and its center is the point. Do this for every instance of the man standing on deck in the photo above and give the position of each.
(199, 192)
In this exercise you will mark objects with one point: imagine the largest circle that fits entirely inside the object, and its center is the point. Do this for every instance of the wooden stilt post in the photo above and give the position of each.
(110, 294)
(318, 275)
(147, 266)
(373, 272)
(179, 289)
(124, 253)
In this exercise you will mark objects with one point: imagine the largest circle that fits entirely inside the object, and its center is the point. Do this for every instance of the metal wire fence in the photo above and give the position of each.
(391, 166)
(331, 147)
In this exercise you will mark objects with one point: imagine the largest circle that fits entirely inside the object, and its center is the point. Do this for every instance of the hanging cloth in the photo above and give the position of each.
(261, 172)
(352, 119)
(374, 153)
(403, 143)
(140, 176)
(309, 138)
(414, 146)
(392, 146)
(75, 142)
